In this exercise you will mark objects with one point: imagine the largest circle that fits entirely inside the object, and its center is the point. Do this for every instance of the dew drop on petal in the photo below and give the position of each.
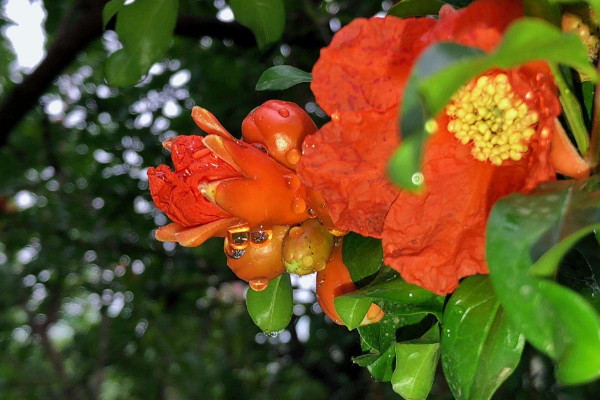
(299, 205)
(292, 182)
(283, 112)
(417, 178)
(292, 156)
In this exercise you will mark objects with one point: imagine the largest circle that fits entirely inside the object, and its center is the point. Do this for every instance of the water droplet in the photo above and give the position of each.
(296, 232)
(259, 284)
(232, 252)
(431, 126)
(319, 266)
(237, 237)
(260, 147)
(312, 213)
(283, 112)
(292, 182)
(335, 116)
(417, 178)
(261, 237)
(299, 205)
(293, 156)
(307, 261)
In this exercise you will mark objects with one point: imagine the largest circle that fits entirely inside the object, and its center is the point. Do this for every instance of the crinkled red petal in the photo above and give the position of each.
(346, 161)
(367, 64)
(481, 24)
(437, 238)
(181, 202)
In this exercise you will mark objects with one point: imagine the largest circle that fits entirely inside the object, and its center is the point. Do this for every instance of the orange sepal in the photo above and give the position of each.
(197, 235)
(564, 156)
(269, 194)
(260, 263)
(335, 281)
(167, 233)
(209, 123)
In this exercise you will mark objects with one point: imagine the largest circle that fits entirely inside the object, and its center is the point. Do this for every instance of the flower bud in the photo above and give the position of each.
(306, 248)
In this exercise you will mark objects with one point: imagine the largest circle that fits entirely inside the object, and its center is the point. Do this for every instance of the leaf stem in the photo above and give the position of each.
(572, 111)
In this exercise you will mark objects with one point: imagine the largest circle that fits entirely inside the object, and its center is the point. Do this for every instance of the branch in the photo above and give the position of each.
(80, 26)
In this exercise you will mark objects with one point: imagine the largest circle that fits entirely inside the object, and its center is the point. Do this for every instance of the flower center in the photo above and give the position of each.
(489, 114)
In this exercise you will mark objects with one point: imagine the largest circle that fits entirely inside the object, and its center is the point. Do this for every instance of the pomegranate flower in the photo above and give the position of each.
(494, 138)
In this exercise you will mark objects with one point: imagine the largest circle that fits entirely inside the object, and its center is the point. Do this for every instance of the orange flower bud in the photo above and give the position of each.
(335, 281)
(267, 194)
(279, 126)
(255, 255)
(306, 248)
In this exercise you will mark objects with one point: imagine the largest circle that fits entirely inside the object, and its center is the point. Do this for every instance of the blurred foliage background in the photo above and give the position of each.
(91, 306)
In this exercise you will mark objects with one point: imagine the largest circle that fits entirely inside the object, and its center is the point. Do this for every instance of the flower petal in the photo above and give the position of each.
(181, 202)
(345, 161)
(481, 24)
(437, 238)
(367, 64)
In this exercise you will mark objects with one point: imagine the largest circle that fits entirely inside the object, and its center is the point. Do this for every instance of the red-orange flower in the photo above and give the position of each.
(493, 139)
(220, 181)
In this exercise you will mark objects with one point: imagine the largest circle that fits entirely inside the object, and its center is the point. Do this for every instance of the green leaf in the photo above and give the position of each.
(362, 256)
(536, 231)
(445, 67)
(382, 335)
(382, 368)
(416, 363)
(123, 69)
(271, 309)
(110, 10)
(415, 8)
(411, 299)
(145, 27)
(282, 77)
(266, 19)
(480, 346)
(352, 310)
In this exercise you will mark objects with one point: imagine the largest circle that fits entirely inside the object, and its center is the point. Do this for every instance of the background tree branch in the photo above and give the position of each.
(82, 25)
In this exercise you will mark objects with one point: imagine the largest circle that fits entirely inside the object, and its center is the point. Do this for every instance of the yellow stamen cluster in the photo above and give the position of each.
(489, 114)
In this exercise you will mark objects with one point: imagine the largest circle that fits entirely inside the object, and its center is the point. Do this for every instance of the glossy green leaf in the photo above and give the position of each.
(382, 335)
(411, 299)
(445, 67)
(145, 29)
(415, 8)
(110, 10)
(480, 346)
(537, 230)
(352, 310)
(282, 77)
(271, 309)
(266, 19)
(363, 256)
(416, 363)
(382, 368)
